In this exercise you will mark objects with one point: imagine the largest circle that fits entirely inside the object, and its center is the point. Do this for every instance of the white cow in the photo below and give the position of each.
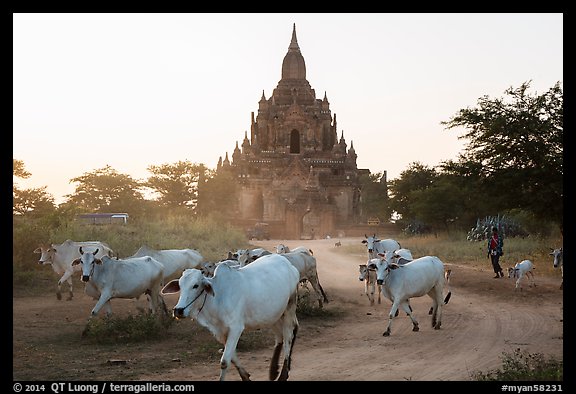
(521, 269)
(304, 261)
(258, 295)
(122, 278)
(421, 276)
(399, 256)
(375, 245)
(558, 262)
(246, 256)
(208, 268)
(174, 261)
(60, 256)
(368, 276)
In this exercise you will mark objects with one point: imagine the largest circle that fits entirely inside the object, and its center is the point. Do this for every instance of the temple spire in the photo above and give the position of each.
(294, 42)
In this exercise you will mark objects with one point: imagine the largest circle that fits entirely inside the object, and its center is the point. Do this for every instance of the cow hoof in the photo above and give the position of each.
(437, 326)
(416, 328)
(386, 334)
(58, 296)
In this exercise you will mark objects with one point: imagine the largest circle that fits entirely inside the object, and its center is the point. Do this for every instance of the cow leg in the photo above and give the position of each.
(379, 293)
(243, 373)
(104, 298)
(408, 309)
(318, 290)
(370, 292)
(391, 315)
(59, 290)
(289, 331)
(229, 350)
(288, 344)
(278, 330)
(532, 278)
(67, 277)
(437, 303)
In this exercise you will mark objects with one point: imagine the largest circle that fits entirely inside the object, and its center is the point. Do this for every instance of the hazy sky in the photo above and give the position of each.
(134, 90)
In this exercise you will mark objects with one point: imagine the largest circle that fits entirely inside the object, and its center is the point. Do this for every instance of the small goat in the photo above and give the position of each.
(521, 269)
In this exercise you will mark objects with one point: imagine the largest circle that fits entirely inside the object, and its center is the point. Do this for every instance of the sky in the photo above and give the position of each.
(135, 90)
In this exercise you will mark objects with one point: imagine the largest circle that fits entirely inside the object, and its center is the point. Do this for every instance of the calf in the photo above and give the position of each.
(259, 295)
(521, 269)
(368, 276)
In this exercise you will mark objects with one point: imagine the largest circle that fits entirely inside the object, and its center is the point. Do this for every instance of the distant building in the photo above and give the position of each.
(294, 172)
(103, 218)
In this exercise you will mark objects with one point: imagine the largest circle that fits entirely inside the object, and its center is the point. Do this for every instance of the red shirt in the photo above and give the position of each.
(494, 242)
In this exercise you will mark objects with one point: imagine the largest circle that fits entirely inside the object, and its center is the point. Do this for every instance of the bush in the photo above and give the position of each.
(522, 366)
(133, 328)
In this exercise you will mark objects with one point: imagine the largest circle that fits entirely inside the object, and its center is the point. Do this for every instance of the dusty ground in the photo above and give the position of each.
(484, 318)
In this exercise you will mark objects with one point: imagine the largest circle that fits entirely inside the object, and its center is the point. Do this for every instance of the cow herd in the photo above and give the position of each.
(251, 288)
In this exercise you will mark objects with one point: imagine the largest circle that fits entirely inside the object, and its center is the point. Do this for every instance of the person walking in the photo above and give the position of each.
(495, 250)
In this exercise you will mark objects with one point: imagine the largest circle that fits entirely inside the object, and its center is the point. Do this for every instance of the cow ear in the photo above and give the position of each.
(171, 287)
(76, 262)
(38, 250)
(364, 241)
(381, 255)
(208, 287)
(393, 266)
(98, 261)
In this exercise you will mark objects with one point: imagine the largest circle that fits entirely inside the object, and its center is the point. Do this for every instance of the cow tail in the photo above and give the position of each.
(447, 275)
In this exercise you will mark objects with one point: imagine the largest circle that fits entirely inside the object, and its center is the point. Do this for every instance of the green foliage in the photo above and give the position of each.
(374, 202)
(519, 144)
(177, 184)
(106, 190)
(522, 366)
(416, 178)
(129, 329)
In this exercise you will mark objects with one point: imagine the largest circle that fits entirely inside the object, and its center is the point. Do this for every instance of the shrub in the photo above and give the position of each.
(522, 366)
(128, 329)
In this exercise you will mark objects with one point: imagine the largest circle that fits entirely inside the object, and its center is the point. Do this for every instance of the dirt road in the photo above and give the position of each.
(484, 318)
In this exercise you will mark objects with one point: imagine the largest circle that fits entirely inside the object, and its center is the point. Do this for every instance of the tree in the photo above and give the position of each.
(217, 194)
(105, 190)
(18, 169)
(177, 184)
(438, 205)
(374, 202)
(417, 177)
(36, 201)
(519, 145)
